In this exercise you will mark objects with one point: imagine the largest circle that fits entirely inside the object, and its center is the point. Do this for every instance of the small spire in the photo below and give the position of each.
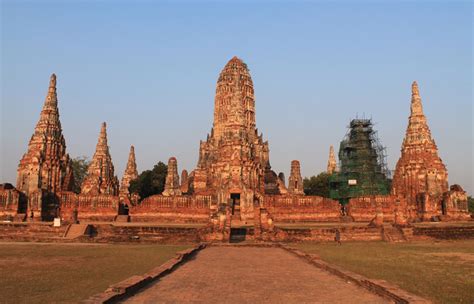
(103, 130)
(51, 101)
(50, 113)
(101, 177)
(131, 156)
(52, 81)
(414, 89)
(130, 173)
(332, 163)
(416, 105)
(102, 143)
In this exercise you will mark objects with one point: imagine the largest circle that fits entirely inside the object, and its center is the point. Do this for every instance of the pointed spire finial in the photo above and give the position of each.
(414, 89)
(52, 81)
(416, 105)
(102, 142)
(131, 157)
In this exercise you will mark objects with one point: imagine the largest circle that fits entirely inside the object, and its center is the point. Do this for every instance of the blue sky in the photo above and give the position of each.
(150, 69)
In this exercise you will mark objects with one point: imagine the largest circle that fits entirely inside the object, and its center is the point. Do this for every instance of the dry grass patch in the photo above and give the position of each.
(69, 273)
(440, 271)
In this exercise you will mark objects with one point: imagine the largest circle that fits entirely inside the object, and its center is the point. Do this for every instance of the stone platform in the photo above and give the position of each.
(169, 233)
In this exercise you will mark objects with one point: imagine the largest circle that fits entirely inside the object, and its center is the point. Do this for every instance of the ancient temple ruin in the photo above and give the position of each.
(129, 175)
(172, 186)
(295, 181)
(44, 169)
(420, 176)
(100, 177)
(233, 185)
(233, 159)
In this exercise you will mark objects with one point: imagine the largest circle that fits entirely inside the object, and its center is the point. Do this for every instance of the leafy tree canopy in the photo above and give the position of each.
(150, 182)
(317, 185)
(470, 203)
(79, 169)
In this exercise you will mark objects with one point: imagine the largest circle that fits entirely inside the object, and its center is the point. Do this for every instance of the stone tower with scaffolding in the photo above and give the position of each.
(362, 170)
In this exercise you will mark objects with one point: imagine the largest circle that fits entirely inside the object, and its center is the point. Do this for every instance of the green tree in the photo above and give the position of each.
(150, 182)
(470, 204)
(317, 185)
(79, 169)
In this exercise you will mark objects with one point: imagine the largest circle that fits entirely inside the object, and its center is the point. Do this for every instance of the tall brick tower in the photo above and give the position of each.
(100, 177)
(420, 175)
(233, 159)
(46, 166)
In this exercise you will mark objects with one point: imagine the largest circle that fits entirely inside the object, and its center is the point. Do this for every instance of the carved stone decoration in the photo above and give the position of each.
(420, 175)
(130, 174)
(45, 168)
(295, 181)
(184, 181)
(234, 158)
(172, 186)
(100, 177)
(332, 163)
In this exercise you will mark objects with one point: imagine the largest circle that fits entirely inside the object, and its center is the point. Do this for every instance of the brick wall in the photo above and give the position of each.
(302, 208)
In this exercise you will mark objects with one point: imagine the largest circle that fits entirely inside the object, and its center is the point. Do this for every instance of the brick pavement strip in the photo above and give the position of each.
(227, 274)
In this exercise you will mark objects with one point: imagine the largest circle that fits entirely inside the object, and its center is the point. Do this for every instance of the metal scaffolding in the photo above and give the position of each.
(362, 162)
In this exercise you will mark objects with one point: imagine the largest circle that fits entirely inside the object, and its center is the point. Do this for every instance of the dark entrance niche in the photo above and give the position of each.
(237, 235)
(123, 209)
(235, 203)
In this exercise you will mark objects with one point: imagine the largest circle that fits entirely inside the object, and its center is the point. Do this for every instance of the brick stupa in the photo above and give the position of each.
(100, 177)
(234, 158)
(46, 165)
(172, 186)
(420, 175)
(130, 174)
(332, 163)
(295, 181)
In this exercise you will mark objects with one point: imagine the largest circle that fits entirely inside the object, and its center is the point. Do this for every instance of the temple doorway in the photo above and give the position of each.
(235, 203)
(443, 208)
(123, 209)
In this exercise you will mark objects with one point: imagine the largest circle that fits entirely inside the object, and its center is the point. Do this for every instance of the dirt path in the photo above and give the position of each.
(251, 275)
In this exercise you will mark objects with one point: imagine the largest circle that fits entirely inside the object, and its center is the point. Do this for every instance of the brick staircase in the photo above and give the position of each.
(393, 235)
(76, 230)
(122, 218)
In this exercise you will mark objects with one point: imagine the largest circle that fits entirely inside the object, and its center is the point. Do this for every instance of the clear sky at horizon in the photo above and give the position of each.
(149, 69)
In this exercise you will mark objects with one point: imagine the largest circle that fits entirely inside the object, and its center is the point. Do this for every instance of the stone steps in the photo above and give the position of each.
(122, 218)
(76, 230)
(393, 235)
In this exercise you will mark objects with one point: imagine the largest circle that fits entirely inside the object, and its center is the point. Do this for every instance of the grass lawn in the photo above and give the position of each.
(69, 273)
(440, 271)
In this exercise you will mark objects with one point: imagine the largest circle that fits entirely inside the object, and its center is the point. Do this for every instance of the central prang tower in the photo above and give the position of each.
(234, 158)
